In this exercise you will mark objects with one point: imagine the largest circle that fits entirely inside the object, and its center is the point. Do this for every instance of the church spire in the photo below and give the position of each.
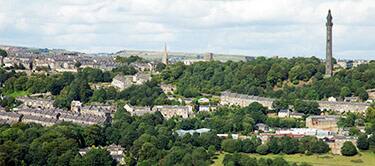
(165, 56)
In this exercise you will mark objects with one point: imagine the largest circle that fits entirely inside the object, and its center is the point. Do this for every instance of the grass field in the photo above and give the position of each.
(363, 159)
(19, 93)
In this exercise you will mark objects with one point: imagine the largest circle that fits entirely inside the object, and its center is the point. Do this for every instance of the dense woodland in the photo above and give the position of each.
(295, 78)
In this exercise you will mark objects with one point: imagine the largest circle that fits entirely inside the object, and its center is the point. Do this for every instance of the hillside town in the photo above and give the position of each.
(40, 108)
(60, 107)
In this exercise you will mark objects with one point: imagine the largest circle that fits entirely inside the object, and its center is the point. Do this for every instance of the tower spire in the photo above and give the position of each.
(329, 65)
(165, 56)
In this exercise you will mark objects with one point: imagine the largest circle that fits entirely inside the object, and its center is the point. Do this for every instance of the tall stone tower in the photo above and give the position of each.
(208, 56)
(329, 65)
(165, 56)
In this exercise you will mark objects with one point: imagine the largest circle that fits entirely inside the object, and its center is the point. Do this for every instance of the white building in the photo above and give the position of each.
(332, 99)
(307, 132)
(181, 132)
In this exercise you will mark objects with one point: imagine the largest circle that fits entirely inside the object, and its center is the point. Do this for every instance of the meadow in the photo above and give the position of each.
(362, 159)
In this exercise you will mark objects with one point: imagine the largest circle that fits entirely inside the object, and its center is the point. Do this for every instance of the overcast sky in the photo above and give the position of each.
(255, 27)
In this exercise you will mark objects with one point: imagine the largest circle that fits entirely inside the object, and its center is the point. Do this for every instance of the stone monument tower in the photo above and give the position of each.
(208, 56)
(329, 65)
(165, 56)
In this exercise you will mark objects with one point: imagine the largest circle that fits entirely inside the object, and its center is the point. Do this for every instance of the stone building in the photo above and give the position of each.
(122, 82)
(342, 107)
(339, 141)
(138, 111)
(44, 121)
(209, 56)
(228, 98)
(289, 114)
(371, 94)
(48, 117)
(98, 110)
(323, 122)
(55, 61)
(141, 66)
(141, 78)
(242, 100)
(116, 152)
(262, 127)
(43, 103)
(192, 61)
(332, 99)
(169, 111)
(351, 99)
(345, 64)
(47, 113)
(167, 88)
(75, 106)
(284, 113)
(9, 117)
(25, 62)
(94, 109)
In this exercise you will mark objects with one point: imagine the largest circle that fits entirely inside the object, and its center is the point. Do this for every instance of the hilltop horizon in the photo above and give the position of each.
(176, 52)
(253, 28)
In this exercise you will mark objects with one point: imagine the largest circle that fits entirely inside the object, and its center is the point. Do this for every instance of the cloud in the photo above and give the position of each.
(250, 27)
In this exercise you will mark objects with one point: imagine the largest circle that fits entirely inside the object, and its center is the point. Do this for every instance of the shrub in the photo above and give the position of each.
(348, 149)
(262, 149)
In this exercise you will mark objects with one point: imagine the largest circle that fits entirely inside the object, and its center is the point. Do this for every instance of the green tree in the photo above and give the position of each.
(307, 107)
(274, 146)
(248, 146)
(319, 147)
(77, 64)
(289, 145)
(11, 153)
(125, 70)
(362, 142)
(348, 149)
(231, 146)
(262, 149)
(280, 104)
(279, 162)
(211, 150)
(362, 94)
(199, 156)
(3, 54)
(93, 135)
(97, 156)
(160, 67)
(148, 151)
(348, 120)
(345, 92)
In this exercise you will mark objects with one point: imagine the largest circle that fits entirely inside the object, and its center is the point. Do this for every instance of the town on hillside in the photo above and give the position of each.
(60, 107)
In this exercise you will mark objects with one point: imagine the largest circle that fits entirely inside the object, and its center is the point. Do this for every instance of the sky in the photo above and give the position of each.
(247, 27)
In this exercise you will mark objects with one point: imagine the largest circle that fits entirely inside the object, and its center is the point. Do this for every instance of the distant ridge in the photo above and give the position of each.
(147, 54)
